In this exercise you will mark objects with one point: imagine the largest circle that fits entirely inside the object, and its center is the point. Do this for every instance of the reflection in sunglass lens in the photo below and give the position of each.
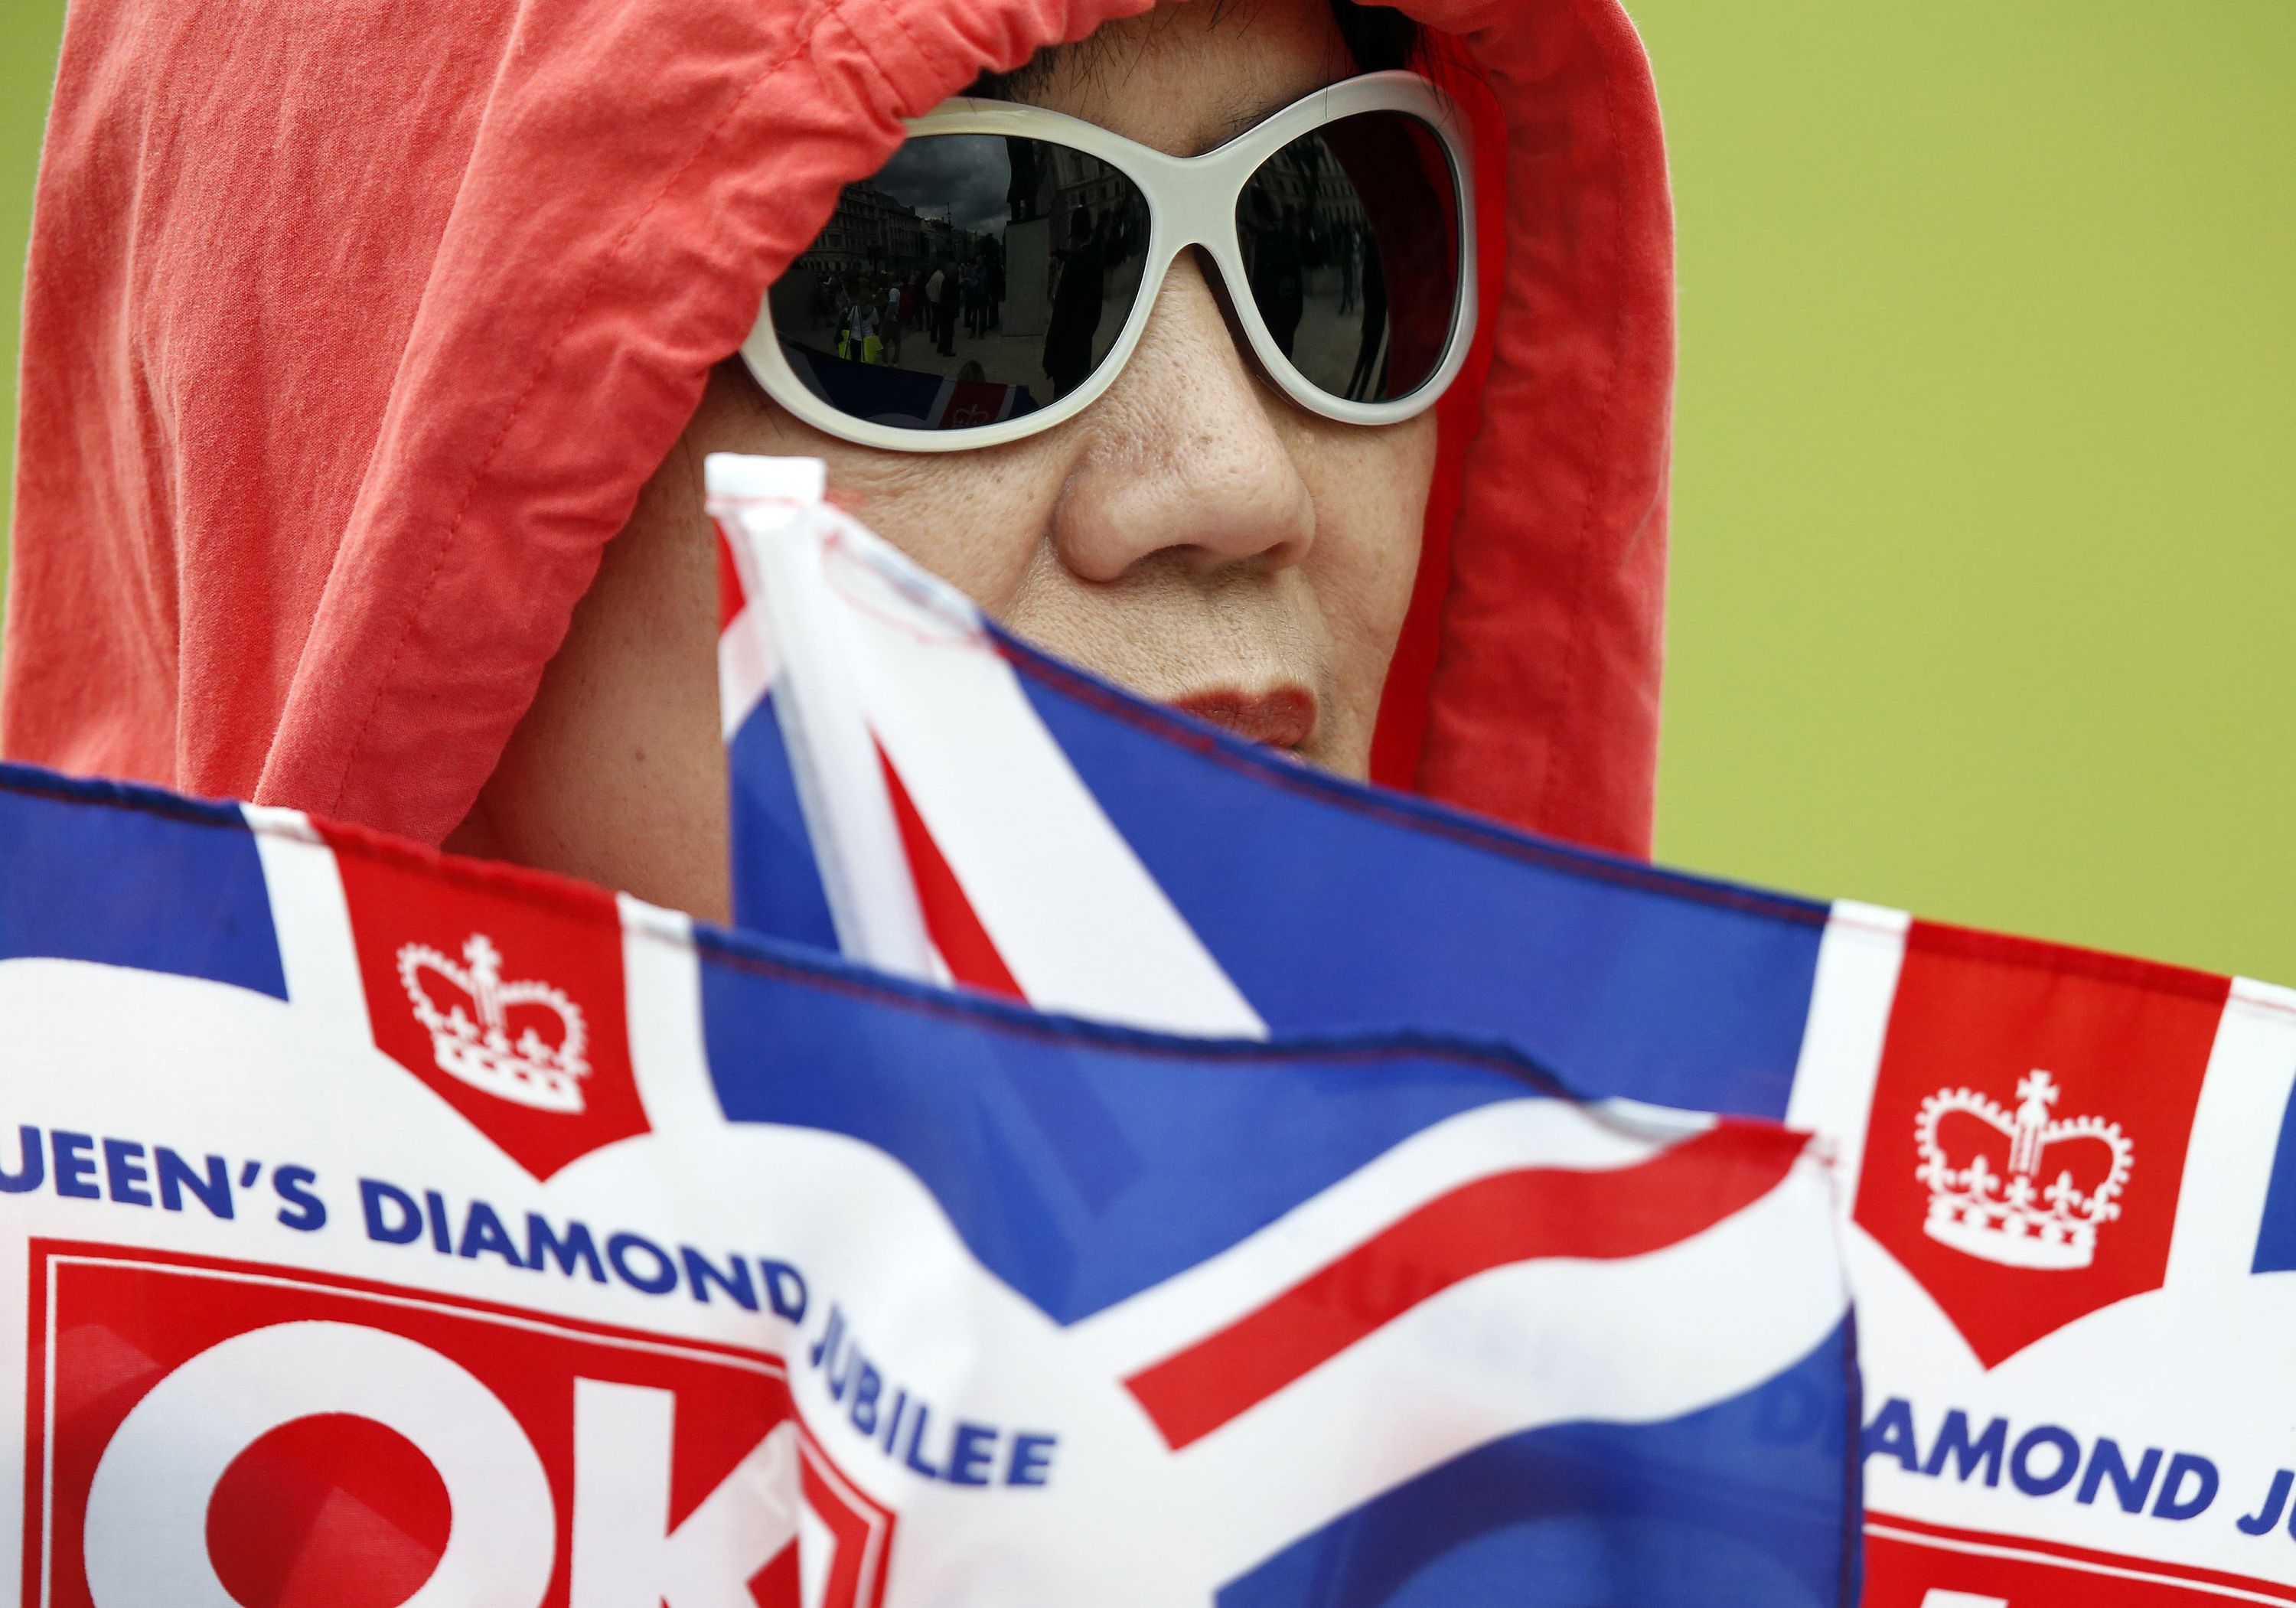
(1351, 238)
(973, 279)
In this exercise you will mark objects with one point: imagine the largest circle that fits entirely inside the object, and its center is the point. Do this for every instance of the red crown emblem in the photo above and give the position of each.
(468, 1012)
(2029, 1209)
(2017, 1217)
(541, 1068)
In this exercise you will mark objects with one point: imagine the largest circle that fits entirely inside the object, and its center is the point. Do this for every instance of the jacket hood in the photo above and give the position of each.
(351, 333)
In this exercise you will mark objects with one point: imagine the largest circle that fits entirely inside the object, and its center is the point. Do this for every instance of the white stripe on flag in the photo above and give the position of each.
(1858, 961)
(2235, 1137)
(1075, 916)
(1479, 1143)
(745, 669)
(669, 1059)
(312, 922)
(1636, 1341)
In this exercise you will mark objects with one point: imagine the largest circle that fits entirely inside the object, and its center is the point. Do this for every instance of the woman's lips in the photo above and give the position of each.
(1282, 717)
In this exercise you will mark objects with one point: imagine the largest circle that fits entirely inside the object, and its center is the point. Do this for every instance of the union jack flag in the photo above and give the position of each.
(2057, 1170)
(700, 1268)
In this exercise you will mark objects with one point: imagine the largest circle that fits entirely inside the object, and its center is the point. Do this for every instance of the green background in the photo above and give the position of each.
(29, 32)
(1984, 545)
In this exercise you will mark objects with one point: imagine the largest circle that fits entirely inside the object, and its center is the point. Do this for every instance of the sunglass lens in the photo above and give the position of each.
(975, 279)
(1352, 240)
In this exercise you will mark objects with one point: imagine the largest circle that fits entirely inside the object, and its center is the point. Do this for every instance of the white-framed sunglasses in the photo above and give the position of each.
(993, 279)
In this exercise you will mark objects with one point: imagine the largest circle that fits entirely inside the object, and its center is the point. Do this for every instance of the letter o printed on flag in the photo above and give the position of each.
(147, 1512)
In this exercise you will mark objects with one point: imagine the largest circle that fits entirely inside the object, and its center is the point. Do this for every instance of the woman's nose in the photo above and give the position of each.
(1182, 457)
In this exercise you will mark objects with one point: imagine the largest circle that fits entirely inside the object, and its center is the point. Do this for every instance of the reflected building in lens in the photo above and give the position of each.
(1311, 191)
(869, 231)
(1051, 181)
(873, 232)
(1062, 200)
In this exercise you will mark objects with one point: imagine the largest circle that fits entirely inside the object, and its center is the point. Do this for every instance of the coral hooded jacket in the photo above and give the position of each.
(352, 331)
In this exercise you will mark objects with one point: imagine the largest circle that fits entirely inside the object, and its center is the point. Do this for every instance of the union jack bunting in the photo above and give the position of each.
(2067, 1181)
(381, 1227)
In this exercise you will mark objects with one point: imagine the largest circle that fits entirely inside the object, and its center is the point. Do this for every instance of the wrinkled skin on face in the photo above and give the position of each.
(1193, 534)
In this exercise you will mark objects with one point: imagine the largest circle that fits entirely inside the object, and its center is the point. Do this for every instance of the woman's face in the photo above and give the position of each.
(1193, 534)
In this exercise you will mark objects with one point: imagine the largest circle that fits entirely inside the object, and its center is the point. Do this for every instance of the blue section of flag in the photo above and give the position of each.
(1743, 1504)
(1336, 908)
(129, 876)
(773, 867)
(1081, 1164)
(2276, 1243)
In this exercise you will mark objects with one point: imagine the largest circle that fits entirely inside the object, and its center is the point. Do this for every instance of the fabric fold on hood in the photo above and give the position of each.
(351, 333)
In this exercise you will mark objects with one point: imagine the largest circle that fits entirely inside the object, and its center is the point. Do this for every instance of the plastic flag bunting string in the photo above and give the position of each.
(2057, 1171)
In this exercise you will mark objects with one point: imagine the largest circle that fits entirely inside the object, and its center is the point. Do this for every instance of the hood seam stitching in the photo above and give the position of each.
(1597, 481)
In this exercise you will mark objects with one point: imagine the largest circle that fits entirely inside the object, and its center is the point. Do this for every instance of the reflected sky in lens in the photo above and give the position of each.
(968, 176)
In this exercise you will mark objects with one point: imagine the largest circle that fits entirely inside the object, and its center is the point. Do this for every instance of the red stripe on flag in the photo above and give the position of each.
(2043, 1564)
(1515, 1217)
(949, 920)
(730, 601)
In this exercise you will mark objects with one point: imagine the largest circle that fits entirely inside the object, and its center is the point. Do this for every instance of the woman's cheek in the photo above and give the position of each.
(1371, 490)
(977, 520)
